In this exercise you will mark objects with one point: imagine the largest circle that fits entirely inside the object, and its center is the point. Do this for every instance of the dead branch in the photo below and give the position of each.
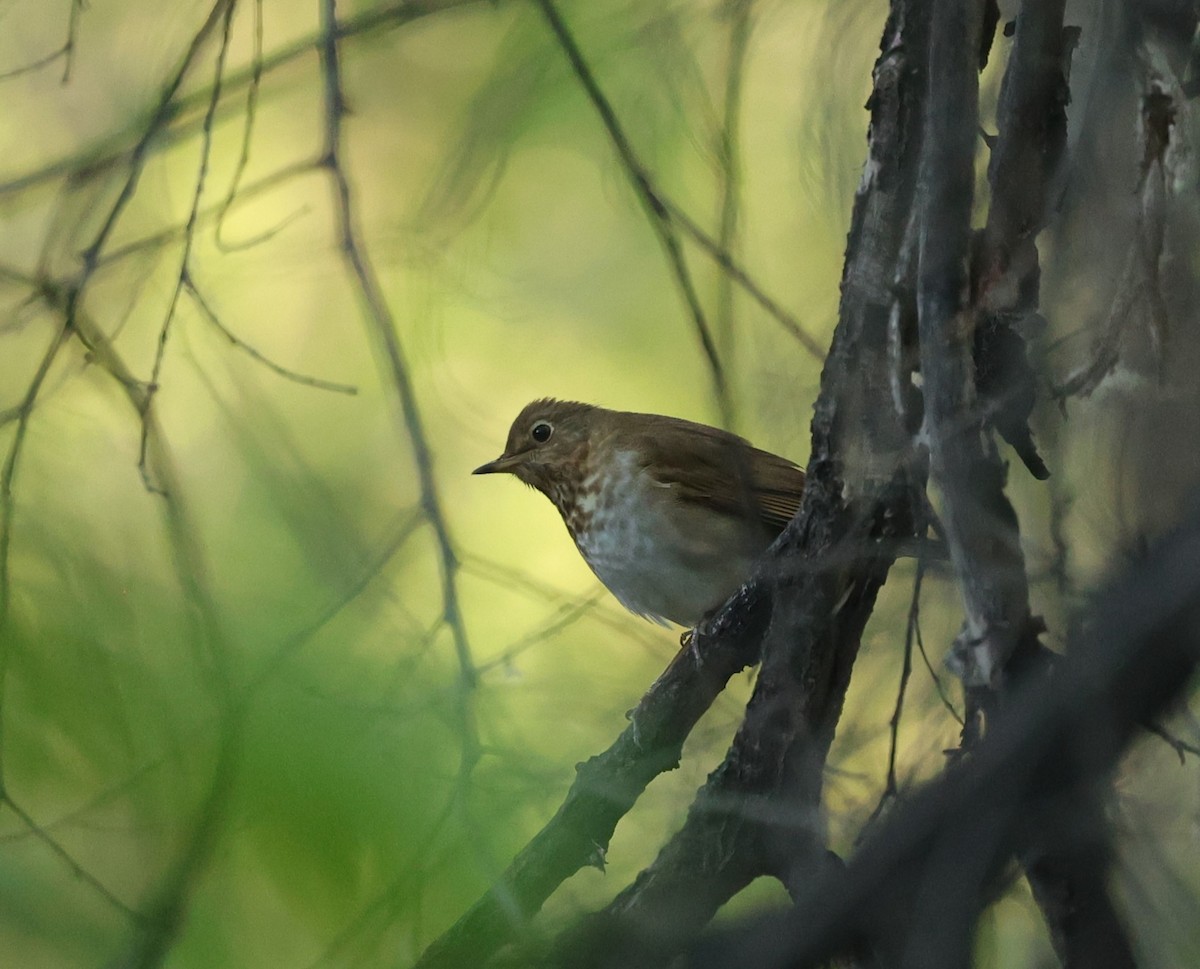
(1044, 760)
(660, 220)
(383, 330)
(980, 525)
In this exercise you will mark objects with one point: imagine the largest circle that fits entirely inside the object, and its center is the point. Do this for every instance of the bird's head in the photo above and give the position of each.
(547, 443)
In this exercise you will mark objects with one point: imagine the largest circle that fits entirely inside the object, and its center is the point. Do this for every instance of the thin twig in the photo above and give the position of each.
(35, 65)
(153, 940)
(181, 280)
(660, 218)
(209, 314)
(729, 155)
(665, 214)
(256, 72)
(938, 683)
(66, 52)
(1106, 349)
(70, 861)
(914, 609)
(739, 275)
(383, 329)
(1140, 285)
(94, 160)
(1177, 744)
(77, 8)
(566, 615)
(294, 642)
(156, 239)
(8, 476)
(615, 618)
(163, 111)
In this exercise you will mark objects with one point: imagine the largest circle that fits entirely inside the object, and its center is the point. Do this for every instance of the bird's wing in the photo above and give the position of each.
(719, 470)
(778, 486)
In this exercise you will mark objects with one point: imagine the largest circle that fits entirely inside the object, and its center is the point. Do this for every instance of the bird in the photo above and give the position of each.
(671, 515)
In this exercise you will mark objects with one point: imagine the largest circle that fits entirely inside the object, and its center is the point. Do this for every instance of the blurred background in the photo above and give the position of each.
(256, 667)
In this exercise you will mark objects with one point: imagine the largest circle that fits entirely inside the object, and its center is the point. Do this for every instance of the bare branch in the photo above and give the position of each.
(980, 525)
(566, 615)
(1139, 291)
(158, 239)
(666, 217)
(729, 156)
(252, 89)
(210, 315)
(178, 123)
(163, 111)
(608, 784)
(1181, 747)
(69, 860)
(382, 328)
(66, 53)
(659, 217)
(8, 475)
(184, 274)
(742, 277)
(1106, 351)
(911, 626)
(154, 936)
(938, 685)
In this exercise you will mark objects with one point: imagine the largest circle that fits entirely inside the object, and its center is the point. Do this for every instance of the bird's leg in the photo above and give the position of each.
(687, 643)
(688, 637)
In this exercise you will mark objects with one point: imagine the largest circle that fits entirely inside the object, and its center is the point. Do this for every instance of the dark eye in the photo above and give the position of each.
(541, 432)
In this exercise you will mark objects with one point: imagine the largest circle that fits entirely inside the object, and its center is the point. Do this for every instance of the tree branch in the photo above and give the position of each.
(1066, 871)
(660, 219)
(181, 122)
(980, 524)
(607, 785)
(1062, 737)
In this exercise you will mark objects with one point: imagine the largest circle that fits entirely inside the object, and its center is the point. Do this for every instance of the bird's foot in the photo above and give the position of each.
(690, 639)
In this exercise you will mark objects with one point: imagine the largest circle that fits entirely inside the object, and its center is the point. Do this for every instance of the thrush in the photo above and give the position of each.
(671, 515)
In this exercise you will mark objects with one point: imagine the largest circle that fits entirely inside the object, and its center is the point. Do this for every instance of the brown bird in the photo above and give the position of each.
(670, 515)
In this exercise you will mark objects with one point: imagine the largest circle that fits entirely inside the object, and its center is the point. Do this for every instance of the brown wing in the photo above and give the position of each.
(778, 486)
(720, 470)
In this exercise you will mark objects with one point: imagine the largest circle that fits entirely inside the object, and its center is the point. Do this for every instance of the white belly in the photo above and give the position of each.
(664, 559)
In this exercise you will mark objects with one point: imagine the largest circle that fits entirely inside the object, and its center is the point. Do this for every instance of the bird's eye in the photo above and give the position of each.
(541, 432)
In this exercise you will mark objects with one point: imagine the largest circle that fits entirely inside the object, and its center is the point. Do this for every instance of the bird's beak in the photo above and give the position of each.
(506, 462)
